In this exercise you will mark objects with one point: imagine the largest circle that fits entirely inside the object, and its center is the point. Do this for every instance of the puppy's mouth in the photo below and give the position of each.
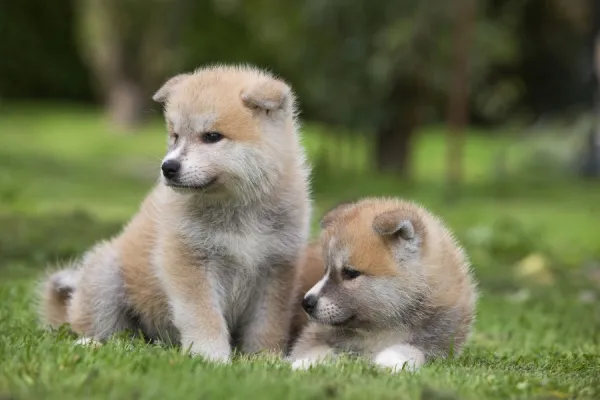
(344, 322)
(202, 186)
(339, 323)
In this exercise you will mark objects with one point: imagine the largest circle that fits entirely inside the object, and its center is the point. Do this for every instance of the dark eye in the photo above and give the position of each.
(349, 274)
(174, 137)
(211, 137)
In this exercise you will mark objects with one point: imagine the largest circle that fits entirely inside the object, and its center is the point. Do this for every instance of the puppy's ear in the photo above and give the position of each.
(392, 223)
(334, 214)
(163, 93)
(268, 95)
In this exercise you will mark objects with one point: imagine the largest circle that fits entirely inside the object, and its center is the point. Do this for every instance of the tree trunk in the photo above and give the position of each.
(393, 149)
(126, 102)
(459, 93)
(591, 156)
(394, 135)
(404, 103)
(130, 45)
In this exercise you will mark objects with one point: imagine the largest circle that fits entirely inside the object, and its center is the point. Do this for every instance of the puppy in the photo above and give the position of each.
(397, 288)
(210, 260)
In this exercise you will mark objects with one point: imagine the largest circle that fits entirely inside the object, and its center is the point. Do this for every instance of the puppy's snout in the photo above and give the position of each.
(309, 303)
(170, 168)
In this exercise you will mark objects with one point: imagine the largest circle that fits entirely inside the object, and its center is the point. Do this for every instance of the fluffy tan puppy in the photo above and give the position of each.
(210, 260)
(397, 288)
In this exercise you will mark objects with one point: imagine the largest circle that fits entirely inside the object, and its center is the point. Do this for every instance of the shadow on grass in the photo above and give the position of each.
(29, 243)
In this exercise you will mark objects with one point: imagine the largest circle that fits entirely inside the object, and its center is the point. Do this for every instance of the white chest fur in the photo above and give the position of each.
(241, 247)
(237, 256)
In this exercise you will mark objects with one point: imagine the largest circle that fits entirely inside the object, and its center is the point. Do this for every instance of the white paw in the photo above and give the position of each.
(304, 364)
(400, 357)
(86, 341)
(214, 354)
(316, 355)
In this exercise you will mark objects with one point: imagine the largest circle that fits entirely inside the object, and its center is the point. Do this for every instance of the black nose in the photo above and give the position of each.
(170, 168)
(309, 303)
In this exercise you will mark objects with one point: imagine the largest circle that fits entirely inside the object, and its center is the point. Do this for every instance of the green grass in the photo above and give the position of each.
(66, 180)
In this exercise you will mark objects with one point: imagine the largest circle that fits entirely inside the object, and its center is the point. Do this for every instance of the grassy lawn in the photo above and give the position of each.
(66, 181)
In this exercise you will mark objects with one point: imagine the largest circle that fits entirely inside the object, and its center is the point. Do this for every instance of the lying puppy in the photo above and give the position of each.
(397, 288)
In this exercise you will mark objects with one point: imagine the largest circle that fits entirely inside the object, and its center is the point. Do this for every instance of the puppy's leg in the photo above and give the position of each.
(268, 321)
(400, 356)
(98, 306)
(195, 306)
(311, 348)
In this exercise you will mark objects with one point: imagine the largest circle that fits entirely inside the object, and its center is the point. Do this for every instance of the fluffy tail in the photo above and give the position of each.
(56, 291)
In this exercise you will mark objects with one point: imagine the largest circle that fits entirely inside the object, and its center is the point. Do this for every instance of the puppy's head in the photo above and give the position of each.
(373, 276)
(229, 131)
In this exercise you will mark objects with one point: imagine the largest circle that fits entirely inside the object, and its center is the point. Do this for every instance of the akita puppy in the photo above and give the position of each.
(397, 288)
(210, 260)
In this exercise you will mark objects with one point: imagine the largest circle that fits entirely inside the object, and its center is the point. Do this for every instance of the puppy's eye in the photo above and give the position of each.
(349, 274)
(211, 137)
(174, 137)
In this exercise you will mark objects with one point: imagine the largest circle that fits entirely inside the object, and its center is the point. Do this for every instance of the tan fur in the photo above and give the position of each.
(311, 271)
(135, 246)
(420, 261)
(278, 307)
(168, 273)
(53, 309)
(80, 312)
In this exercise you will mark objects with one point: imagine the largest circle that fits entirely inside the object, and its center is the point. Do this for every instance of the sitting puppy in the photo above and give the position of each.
(211, 258)
(397, 288)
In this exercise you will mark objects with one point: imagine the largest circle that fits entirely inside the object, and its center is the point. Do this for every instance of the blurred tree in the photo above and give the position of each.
(129, 46)
(346, 58)
(458, 107)
(39, 56)
(220, 31)
(370, 70)
(591, 156)
(376, 66)
(552, 39)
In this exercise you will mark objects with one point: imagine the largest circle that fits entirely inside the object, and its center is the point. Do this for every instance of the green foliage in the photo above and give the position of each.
(345, 58)
(505, 241)
(341, 56)
(38, 51)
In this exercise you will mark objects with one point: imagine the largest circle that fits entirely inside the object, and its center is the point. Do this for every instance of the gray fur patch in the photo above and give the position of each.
(103, 283)
(65, 281)
(437, 333)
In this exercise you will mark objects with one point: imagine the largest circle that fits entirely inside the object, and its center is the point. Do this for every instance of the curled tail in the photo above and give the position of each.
(56, 291)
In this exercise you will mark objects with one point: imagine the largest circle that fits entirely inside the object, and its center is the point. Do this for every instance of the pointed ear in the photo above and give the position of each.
(268, 95)
(163, 93)
(391, 223)
(334, 214)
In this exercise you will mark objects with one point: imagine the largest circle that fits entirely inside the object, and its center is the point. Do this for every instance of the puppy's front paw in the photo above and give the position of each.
(304, 363)
(87, 341)
(216, 354)
(400, 357)
(316, 355)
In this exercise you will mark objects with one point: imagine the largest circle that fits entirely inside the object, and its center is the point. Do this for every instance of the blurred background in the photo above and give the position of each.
(483, 110)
